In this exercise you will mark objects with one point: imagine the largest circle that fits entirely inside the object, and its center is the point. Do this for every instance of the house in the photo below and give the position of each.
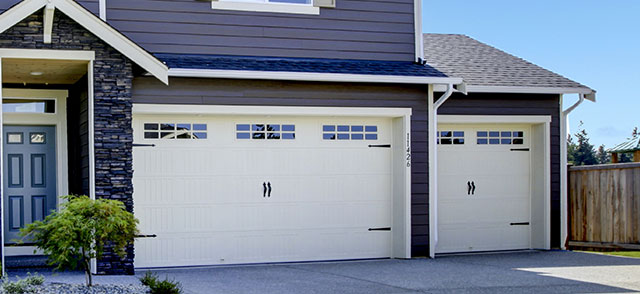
(276, 131)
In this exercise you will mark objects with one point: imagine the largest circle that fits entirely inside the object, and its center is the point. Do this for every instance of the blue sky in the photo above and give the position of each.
(596, 43)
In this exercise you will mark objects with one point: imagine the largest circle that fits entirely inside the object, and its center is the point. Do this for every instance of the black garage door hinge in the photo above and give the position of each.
(143, 145)
(520, 224)
(380, 146)
(146, 236)
(380, 229)
(519, 149)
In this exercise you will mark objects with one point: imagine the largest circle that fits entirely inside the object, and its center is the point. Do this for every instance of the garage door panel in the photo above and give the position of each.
(482, 221)
(203, 198)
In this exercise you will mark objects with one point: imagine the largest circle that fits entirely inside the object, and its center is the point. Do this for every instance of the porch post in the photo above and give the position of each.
(1, 174)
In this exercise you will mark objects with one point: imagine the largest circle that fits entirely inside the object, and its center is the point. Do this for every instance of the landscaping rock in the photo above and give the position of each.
(82, 289)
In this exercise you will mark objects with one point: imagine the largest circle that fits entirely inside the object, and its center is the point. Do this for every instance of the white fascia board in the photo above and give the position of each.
(20, 53)
(114, 38)
(268, 110)
(307, 76)
(19, 12)
(493, 119)
(525, 90)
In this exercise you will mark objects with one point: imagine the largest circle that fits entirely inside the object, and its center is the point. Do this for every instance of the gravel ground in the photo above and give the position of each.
(81, 289)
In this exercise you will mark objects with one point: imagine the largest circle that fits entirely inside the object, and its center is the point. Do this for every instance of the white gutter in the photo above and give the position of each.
(103, 9)
(589, 94)
(564, 123)
(433, 166)
(309, 76)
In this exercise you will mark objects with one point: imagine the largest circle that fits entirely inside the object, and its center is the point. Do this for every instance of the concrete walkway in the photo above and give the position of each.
(523, 272)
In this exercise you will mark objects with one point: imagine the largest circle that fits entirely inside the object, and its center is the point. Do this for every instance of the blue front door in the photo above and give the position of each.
(29, 189)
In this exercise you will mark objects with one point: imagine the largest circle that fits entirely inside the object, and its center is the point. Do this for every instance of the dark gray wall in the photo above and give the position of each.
(282, 93)
(355, 29)
(519, 104)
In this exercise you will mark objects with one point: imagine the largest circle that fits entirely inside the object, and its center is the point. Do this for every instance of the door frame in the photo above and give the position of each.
(540, 236)
(401, 156)
(58, 119)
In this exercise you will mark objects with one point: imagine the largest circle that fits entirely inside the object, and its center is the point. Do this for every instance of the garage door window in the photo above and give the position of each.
(451, 137)
(170, 131)
(265, 132)
(349, 132)
(500, 137)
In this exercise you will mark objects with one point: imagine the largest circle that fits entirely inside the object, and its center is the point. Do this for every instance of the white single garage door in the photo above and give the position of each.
(484, 201)
(254, 189)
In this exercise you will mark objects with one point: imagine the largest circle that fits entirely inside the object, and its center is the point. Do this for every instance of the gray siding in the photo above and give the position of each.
(519, 104)
(280, 93)
(355, 29)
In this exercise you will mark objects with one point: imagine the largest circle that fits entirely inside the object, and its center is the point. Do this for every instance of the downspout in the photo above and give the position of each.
(103, 10)
(564, 117)
(433, 170)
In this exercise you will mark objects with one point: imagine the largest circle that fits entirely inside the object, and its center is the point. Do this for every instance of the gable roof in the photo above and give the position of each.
(481, 65)
(93, 24)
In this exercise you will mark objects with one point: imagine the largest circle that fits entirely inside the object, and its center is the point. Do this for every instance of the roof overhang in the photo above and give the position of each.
(589, 93)
(93, 24)
(310, 76)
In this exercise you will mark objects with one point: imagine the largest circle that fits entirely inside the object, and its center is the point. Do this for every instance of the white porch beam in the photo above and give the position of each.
(48, 22)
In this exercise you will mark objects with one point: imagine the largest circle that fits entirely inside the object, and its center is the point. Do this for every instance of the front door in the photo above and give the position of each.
(29, 189)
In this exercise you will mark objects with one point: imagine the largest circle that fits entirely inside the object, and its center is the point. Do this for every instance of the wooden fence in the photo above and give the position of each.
(604, 206)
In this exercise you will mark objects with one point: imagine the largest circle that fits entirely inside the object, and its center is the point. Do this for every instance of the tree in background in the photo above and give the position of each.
(581, 152)
(602, 156)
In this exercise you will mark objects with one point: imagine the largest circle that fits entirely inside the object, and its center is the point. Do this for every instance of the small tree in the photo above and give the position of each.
(78, 232)
(602, 156)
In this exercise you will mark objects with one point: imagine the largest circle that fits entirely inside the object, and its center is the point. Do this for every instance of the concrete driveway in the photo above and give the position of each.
(522, 272)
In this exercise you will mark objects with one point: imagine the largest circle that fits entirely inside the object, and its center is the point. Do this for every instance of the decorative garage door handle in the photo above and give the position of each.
(468, 188)
(269, 189)
(264, 189)
(471, 188)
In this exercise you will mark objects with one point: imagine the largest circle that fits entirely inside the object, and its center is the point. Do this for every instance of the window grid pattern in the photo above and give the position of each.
(265, 131)
(170, 131)
(500, 137)
(451, 137)
(349, 132)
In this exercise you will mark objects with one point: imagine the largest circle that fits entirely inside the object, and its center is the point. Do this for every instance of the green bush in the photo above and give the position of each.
(78, 232)
(165, 286)
(22, 286)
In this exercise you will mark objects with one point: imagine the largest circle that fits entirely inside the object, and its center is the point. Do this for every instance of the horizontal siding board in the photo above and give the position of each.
(375, 30)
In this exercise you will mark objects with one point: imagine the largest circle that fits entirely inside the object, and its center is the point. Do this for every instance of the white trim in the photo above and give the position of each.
(433, 175)
(266, 7)
(22, 250)
(401, 216)
(93, 24)
(92, 152)
(466, 119)
(48, 22)
(268, 110)
(102, 4)
(417, 20)
(306, 76)
(47, 54)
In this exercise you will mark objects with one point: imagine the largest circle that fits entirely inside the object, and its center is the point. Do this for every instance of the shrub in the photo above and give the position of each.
(22, 285)
(165, 286)
(78, 232)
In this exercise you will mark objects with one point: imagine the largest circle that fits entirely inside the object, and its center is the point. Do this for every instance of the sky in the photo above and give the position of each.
(595, 43)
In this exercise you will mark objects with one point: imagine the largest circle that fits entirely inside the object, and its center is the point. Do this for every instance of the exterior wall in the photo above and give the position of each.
(519, 104)
(281, 93)
(355, 29)
(112, 92)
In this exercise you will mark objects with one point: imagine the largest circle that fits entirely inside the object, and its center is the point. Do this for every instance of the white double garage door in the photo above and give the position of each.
(255, 189)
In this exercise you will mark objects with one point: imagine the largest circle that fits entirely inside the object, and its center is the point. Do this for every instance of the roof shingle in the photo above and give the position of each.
(482, 65)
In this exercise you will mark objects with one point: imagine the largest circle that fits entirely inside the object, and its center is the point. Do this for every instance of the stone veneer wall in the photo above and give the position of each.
(113, 75)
